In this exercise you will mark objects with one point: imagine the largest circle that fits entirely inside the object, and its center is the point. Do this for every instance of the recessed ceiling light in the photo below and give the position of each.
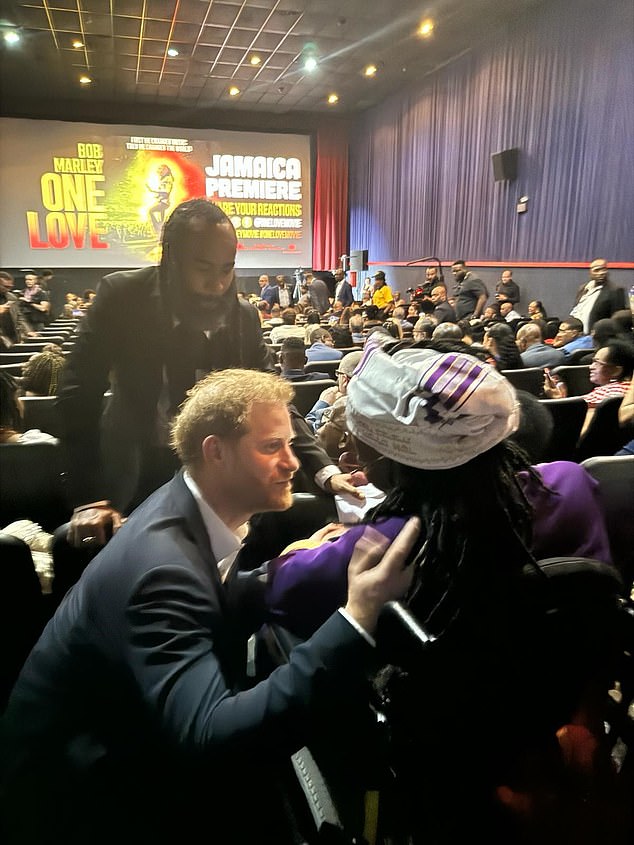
(77, 44)
(255, 60)
(332, 99)
(310, 64)
(85, 80)
(172, 51)
(233, 91)
(370, 70)
(426, 28)
(11, 37)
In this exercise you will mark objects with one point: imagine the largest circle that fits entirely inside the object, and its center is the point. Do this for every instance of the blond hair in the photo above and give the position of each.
(220, 404)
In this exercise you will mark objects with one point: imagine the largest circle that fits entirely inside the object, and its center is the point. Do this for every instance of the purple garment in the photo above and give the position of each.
(308, 585)
(568, 519)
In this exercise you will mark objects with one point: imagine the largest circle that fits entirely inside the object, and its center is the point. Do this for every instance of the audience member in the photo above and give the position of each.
(597, 298)
(447, 331)
(433, 278)
(356, 328)
(322, 347)
(506, 290)
(313, 319)
(274, 317)
(13, 326)
(289, 327)
(611, 370)
(471, 294)
(303, 301)
(284, 292)
(293, 361)
(459, 470)
(318, 294)
(534, 352)
(500, 342)
(508, 313)
(343, 290)
(332, 394)
(382, 295)
(605, 330)
(11, 422)
(42, 372)
(135, 695)
(268, 292)
(34, 302)
(423, 329)
(372, 317)
(491, 312)
(264, 311)
(570, 337)
(413, 312)
(443, 312)
(624, 320)
(472, 332)
(155, 331)
(536, 310)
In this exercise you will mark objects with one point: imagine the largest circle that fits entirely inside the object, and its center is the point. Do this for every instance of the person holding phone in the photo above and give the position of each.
(611, 371)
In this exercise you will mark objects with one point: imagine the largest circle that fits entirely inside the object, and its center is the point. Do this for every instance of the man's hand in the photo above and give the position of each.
(93, 525)
(376, 573)
(347, 482)
(330, 394)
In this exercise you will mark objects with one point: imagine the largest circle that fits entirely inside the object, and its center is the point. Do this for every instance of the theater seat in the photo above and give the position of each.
(530, 379)
(329, 367)
(31, 484)
(576, 378)
(604, 435)
(568, 415)
(615, 475)
(308, 392)
(41, 412)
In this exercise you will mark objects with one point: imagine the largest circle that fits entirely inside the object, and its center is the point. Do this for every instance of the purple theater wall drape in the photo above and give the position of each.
(557, 83)
(330, 219)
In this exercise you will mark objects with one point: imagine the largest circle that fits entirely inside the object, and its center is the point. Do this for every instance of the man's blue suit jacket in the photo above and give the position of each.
(136, 681)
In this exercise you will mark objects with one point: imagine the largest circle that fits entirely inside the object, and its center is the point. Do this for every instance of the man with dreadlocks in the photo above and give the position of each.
(431, 427)
(149, 335)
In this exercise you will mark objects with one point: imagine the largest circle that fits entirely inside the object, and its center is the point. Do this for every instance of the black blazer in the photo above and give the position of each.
(610, 299)
(127, 340)
(134, 686)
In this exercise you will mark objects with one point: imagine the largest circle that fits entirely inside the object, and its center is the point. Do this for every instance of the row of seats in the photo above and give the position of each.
(531, 379)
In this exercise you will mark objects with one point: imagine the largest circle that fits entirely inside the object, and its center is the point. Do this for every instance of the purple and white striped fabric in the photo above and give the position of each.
(428, 409)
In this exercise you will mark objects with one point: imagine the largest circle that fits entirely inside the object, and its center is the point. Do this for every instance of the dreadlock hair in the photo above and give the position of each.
(10, 412)
(458, 558)
(180, 219)
(507, 353)
(41, 373)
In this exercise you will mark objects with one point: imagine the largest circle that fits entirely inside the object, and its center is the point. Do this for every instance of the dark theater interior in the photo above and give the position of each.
(316, 422)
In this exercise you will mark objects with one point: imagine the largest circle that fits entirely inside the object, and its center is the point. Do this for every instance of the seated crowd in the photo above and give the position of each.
(137, 691)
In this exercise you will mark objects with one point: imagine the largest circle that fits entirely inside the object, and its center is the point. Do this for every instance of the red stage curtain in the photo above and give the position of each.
(330, 226)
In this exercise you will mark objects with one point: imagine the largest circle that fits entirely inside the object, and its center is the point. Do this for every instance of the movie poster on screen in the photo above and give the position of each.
(93, 195)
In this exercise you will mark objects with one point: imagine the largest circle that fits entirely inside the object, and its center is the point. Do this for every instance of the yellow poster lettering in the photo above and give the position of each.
(62, 228)
(71, 192)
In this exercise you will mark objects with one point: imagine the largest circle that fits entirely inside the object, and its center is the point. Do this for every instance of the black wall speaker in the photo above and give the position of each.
(505, 165)
(358, 259)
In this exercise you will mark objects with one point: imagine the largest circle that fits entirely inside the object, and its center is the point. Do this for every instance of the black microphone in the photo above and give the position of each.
(426, 258)
(429, 258)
